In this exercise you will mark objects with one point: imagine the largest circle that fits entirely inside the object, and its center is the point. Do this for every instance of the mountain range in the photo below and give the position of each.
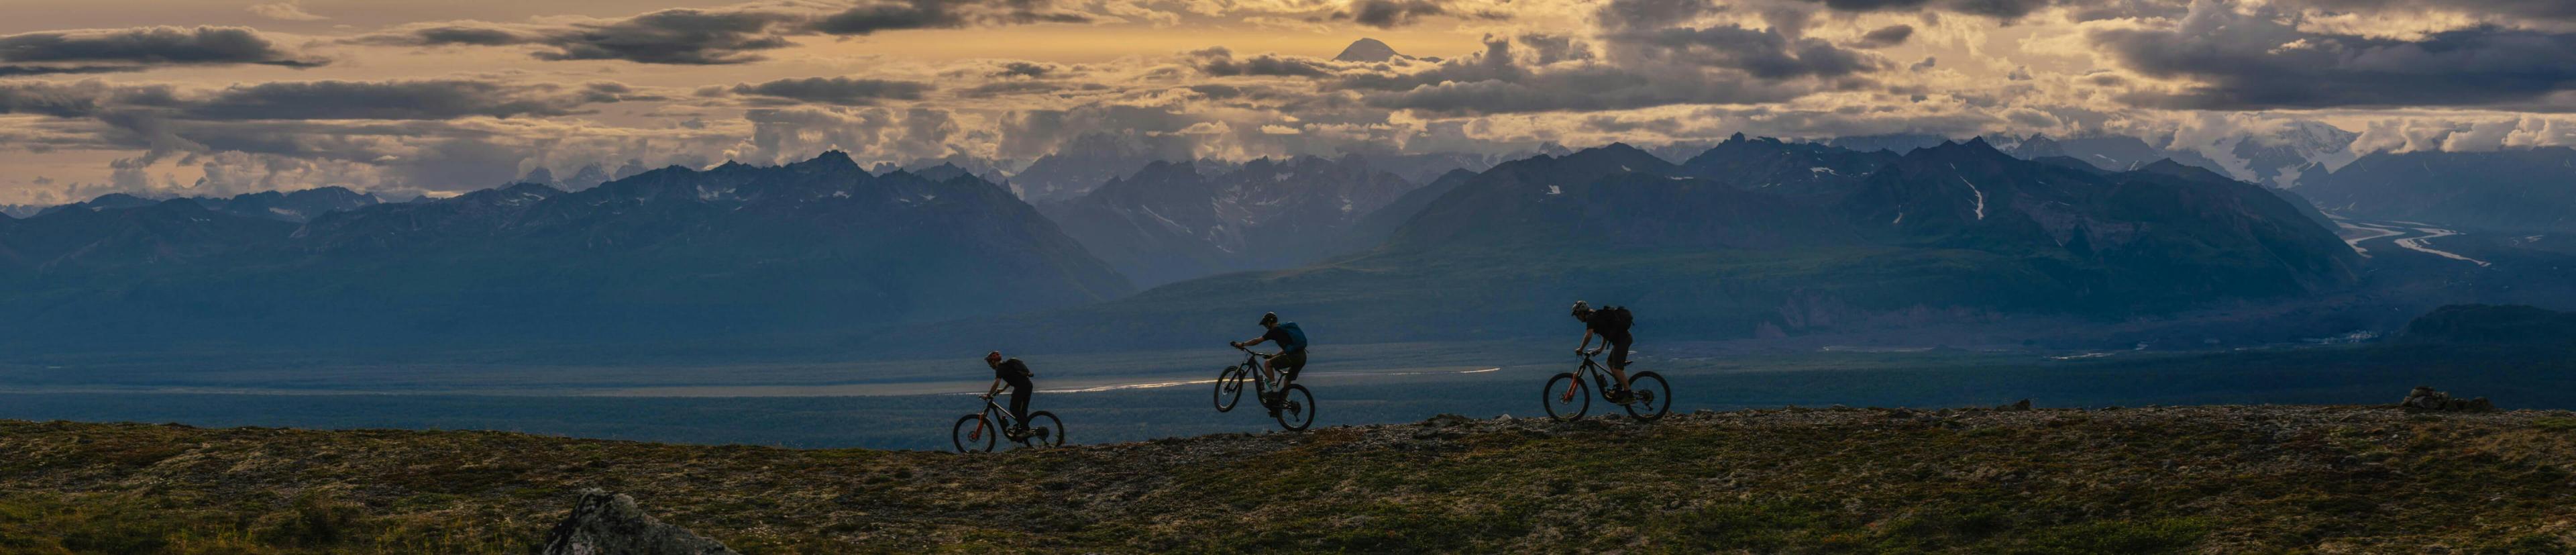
(1759, 237)
(2523, 190)
(1179, 220)
(668, 254)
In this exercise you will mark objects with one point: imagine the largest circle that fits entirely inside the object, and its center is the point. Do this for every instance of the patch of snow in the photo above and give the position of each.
(1900, 219)
(1555, 190)
(1823, 170)
(1981, 197)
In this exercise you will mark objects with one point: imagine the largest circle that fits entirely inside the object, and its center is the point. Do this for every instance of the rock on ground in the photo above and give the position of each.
(605, 523)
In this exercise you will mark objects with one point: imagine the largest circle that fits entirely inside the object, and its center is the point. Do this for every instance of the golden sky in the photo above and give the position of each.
(213, 97)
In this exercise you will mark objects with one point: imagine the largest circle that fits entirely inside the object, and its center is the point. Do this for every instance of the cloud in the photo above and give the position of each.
(842, 91)
(1221, 62)
(720, 36)
(1389, 14)
(1892, 35)
(2220, 59)
(674, 37)
(940, 14)
(284, 11)
(139, 48)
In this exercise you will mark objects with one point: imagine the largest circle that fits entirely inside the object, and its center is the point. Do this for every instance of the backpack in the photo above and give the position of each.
(1296, 337)
(1613, 320)
(1021, 368)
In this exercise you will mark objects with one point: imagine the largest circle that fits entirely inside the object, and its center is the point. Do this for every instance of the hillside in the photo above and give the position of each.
(2153, 480)
(2523, 190)
(1755, 238)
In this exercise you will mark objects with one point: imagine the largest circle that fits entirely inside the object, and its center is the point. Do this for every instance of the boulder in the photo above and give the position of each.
(604, 523)
(2424, 398)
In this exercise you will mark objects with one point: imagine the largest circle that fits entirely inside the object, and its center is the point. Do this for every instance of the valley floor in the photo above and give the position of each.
(2203, 479)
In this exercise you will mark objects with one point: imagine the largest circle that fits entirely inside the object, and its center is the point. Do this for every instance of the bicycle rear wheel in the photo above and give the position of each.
(1229, 388)
(1044, 430)
(1566, 397)
(1654, 397)
(1296, 408)
(973, 434)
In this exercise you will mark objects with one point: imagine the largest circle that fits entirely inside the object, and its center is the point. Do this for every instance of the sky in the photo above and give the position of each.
(214, 97)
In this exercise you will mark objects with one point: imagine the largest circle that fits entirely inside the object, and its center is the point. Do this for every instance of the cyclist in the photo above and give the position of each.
(1612, 324)
(1281, 367)
(1015, 374)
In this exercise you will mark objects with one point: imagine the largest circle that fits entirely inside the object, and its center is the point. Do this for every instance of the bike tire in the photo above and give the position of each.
(1654, 397)
(973, 424)
(1043, 421)
(1229, 388)
(1555, 400)
(1296, 408)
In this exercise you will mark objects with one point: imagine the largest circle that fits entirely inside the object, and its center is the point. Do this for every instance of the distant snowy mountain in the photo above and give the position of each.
(1179, 220)
(2278, 159)
(1369, 50)
(1090, 160)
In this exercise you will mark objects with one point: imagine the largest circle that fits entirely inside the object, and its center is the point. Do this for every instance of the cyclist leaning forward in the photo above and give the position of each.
(1282, 367)
(1612, 325)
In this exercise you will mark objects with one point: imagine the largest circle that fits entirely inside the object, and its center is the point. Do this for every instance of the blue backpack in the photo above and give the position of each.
(1296, 337)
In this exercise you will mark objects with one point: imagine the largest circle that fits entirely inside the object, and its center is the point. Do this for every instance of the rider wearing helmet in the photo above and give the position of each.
(1015, 374)
(1291, 357)
(1614, 336)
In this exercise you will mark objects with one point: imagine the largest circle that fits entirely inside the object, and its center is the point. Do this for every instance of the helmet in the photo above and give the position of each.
(994, 357)
(1268, 318)
(1582, 308)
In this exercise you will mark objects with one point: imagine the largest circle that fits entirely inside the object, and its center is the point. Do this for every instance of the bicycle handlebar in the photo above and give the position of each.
(1248, 349)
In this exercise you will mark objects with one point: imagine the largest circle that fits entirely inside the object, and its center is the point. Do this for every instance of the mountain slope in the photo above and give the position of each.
(735, 251)
(1955, 234)
(2507, 190)
(1175, 221)
(2213, 479)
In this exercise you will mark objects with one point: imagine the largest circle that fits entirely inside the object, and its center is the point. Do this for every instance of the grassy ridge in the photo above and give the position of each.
(2196, 479)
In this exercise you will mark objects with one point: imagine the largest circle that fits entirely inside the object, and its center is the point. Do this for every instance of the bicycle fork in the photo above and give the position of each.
(1571, 386)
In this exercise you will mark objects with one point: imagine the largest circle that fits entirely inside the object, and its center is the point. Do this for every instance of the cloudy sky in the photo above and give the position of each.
(218, 97)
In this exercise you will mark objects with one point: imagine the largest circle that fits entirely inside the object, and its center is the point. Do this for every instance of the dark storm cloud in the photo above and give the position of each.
(1221, 62)
(676, 37)
(2253, 67)
(841, 91)
(1388, 14)
(1762, 53)
(940, 14)
(2562, 10)
(1892, 35)
(397, 100)
(79, 100)
(109, 50)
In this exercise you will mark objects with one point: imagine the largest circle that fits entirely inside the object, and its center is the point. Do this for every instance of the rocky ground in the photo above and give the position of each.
(2218, 479)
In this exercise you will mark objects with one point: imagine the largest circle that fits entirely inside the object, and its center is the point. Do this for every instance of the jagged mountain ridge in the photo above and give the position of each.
(1173, 221)
(2505, 190)
(1737, 253)
(733, 250)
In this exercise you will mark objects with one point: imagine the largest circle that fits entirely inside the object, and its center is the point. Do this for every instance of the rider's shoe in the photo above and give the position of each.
(1622, 396)
(1016, 433)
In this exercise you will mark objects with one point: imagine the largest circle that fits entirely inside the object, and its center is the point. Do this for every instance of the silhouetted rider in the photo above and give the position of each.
(1282, 367)
(1016, 374)
(1612, 325)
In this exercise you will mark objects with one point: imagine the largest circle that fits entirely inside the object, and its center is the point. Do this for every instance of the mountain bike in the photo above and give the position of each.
(1566, 398)
(1295, 409)
(977, 433)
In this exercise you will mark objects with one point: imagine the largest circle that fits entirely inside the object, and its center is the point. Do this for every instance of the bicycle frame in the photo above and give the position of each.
(993, 412)
(1591, 370)
(1256, 364)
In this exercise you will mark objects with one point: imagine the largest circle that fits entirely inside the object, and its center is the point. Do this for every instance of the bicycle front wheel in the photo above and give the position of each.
(1653, 397)
(1566, 397)
(1229, 388)
(1296, 408)
(1044, 430)
(973, 434)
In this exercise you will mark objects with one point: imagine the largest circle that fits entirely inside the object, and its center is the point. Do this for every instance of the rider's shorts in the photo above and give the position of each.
(1289, 363)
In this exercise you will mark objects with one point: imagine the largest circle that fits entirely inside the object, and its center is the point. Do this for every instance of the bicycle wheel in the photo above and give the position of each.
(973, 434)
(1654, 397)
(1229, 388)
(1566, 397)
(1044, 430)
(1296, 408)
